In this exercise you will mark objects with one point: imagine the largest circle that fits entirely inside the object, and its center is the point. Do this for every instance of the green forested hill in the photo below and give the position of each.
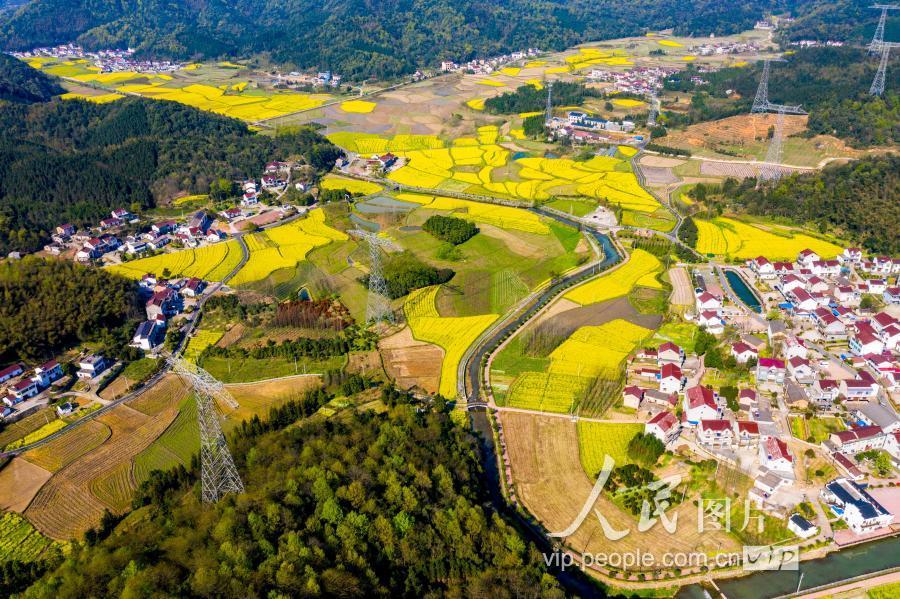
(21, 83)
(857, 201)
(73, 161)
(851, 21)
(360, 38)
(832, 84)
(360, 505)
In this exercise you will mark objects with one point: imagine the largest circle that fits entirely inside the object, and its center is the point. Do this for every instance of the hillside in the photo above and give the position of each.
(21, 83)
(850, 21)
(361, 505)
(832, 84)
(855, 201)
(363, 39)
(48, 306)
(73, 161)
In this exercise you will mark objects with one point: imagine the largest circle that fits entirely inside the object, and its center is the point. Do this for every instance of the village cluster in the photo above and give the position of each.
(824, 353)
(639, 80)
(583, 128)
(108, 61)
(486, 66)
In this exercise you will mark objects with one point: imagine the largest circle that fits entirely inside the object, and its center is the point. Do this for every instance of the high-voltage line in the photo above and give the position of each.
(878, 38)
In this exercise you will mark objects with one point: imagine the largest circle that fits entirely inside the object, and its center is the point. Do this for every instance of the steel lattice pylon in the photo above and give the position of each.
(218, 474)
(549, 110)
(878, 38)
(654, 110)
(761, 101)
(877, 87)
(770, 171)
(378, 307)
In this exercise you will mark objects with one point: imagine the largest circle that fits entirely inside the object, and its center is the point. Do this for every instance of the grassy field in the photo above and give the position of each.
(736, 239)
(599, 439)
(243, 370)
(815, 430)
(681, 333)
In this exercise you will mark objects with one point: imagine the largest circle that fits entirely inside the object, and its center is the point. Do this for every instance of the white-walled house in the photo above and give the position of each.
(774, 455)
(861, 512)
(664, 426)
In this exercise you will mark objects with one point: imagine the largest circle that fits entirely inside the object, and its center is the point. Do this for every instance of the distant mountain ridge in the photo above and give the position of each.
(359, 38)
(20, 83)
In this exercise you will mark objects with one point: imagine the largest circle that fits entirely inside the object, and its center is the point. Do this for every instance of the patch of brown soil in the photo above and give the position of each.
(516, 244)
(20, 481)
(743, 128)
(410, 362)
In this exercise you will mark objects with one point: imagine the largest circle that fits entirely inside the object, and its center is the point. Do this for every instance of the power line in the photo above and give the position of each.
(878, 38)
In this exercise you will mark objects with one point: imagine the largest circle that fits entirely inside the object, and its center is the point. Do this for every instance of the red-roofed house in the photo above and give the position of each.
(858, 439)
(742, 352)
(700, 404)
(853, 255)
(707, 301)
(891, 295)
(747, 432)
(847, 466)
(762, 267)
(865, 341)
(670, 378)
(807, 257)
(47, 373)
(664, 426)
(715, 433)
(801, 370)
(711, 321)
(23, 390)
(770, 370)
(774, 455)
(11, 371)
(669, 353)
(859, 389)
(632, 396)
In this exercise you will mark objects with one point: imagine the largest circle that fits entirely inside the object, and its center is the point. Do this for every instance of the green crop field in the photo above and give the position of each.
(20, 541)
(175, 446)
(599, 439)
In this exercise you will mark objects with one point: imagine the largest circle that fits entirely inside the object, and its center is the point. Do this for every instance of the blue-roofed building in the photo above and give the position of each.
(802, 527)
(861, 512)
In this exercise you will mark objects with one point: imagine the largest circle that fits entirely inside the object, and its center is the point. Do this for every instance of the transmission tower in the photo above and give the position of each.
(770, 169)
(878, 38)
(218, 474)
(654, 110)
(549, 111)
(378, 307)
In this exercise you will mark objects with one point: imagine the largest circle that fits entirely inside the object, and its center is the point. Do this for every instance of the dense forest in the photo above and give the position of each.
(49, 305)
(74, 161)
(404, 272)
(528, 98)
(851, 21)
(832, 84)
(21, 83)
(366, 505)
(857, 201)
(450, 229)
(364, 39)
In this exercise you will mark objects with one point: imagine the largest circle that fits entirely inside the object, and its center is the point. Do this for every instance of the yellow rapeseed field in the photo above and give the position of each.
(98, 99)
(595, 350)
(476, 103)
(639, 271)
(670, 43)
(358, 106)
(201, 340)
(729, 237)
(211, 263)
(454, 334)
(351, 185)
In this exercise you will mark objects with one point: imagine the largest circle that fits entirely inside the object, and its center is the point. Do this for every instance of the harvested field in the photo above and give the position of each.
(367, 362)
(656, 175)
(410, 362)
(255, 399)
(596, 314)
(20, 480)
(64, 450)
(737, 170)
(682, 294)
(659, 161)
(74, 498)
(550, 482)
(169, 389)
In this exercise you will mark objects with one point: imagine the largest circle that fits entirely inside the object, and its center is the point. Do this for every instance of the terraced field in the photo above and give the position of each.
(454, 334)
(74, 498)
(64, 450)
(210, 263)
(285, 246)
(736, 239)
